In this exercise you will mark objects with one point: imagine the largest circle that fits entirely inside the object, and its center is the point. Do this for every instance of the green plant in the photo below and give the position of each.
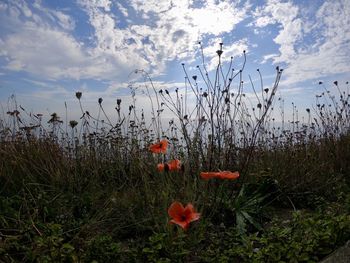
(51, 246)
(304, 238)
(245, 209)
(103, 248)
(91, 191)
(166, 247)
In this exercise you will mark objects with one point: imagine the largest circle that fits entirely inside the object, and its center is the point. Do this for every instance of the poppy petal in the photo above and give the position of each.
(183, 224)
(221, 175)
(176, 211)
(229, 175)
(190, 213)
(159, 147)
(195, 217)
(160, 167)
(163, 145)
(189, 208)
(155, 148)
(206, 175)
(174, 165)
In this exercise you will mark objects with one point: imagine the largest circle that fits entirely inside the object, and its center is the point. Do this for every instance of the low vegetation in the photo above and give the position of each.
(221, 182)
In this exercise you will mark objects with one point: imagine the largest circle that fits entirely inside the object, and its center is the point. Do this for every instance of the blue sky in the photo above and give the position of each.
(49, 49)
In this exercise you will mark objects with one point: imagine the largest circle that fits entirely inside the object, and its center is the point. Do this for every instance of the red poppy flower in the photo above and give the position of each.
(174, 165)
(181, 215)
(160, 167)
(159, 147)
(221, 175)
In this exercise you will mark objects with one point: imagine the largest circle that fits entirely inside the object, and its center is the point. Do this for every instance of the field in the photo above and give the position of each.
(222, 182)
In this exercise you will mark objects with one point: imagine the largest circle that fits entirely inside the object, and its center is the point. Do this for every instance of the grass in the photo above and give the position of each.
(90, 191)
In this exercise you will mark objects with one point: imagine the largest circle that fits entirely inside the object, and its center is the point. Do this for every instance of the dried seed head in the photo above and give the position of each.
(219, 52)
(78, 94)
(73, 123)
(100, 101)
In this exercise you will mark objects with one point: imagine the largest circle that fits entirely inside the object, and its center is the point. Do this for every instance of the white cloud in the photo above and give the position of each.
(328, 36)
(267, 57)
(44, 46)
(285, 14)
(42, 42)
(102, 4)
(170, 32)
(122, 9)
(46, 52)
(65, 21)
(233, 50)
(331, 54)
(263, 21)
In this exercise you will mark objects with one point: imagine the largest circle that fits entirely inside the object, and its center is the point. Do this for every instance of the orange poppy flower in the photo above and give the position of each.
(174, 165)
(221, 175)
(181, 215)
(160, 167)
(159, 147)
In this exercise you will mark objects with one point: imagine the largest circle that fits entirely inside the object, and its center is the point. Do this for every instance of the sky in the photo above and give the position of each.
(50, 49)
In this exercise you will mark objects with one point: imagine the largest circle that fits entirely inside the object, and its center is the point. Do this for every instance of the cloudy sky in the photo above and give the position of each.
(49, 49)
